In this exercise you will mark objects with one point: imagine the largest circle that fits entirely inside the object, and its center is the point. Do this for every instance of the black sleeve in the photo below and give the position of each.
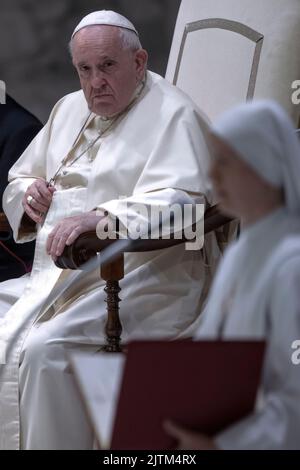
(12, 148)
(17, 129)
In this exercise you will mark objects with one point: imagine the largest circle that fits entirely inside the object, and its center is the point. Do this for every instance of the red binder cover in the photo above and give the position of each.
(202, 385)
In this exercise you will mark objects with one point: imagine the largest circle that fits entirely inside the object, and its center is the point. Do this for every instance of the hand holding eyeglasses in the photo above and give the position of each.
(37, 199)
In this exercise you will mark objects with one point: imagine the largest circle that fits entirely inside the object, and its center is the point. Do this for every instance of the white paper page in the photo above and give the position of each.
(99, 378)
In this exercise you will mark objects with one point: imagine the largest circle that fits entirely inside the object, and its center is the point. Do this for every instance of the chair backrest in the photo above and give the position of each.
(227, 51)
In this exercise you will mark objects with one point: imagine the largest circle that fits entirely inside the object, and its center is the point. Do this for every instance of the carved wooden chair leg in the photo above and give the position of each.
(112, 273)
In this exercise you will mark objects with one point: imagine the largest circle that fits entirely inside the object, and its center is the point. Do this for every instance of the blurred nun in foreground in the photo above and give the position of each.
(256, 293)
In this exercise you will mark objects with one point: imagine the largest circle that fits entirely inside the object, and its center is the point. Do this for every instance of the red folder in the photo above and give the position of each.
(202, 385)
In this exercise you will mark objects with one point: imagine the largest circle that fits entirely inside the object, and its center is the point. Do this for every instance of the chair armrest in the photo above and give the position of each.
(214, 219)
(88, 244)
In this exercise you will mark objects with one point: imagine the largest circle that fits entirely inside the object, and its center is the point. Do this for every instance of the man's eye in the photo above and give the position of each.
(108, 64)
(83, 68)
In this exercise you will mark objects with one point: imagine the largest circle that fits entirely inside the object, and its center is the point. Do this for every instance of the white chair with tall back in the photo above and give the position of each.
(227, 51)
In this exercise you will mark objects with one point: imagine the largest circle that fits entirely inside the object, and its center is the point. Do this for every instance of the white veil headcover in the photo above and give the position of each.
(265, 138)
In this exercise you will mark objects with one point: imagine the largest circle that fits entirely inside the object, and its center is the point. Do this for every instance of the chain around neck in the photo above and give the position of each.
(114, 120)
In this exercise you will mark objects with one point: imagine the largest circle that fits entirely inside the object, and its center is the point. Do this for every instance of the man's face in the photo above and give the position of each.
(108, 73)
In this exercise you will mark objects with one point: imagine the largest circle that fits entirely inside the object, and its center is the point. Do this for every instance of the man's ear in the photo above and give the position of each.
(141, 59)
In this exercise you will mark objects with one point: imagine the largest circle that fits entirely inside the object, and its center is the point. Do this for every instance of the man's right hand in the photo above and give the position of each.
(39, 196)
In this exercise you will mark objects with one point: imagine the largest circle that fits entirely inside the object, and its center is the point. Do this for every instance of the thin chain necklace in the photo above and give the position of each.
(65, 161)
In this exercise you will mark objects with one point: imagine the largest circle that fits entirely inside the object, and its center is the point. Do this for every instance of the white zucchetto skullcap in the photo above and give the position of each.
(105, 17)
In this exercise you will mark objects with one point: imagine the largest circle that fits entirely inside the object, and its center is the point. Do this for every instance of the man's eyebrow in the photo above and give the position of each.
(107, 57)
(101, 59)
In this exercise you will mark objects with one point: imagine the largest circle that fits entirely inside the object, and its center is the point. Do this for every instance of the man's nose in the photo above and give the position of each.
(98, 79)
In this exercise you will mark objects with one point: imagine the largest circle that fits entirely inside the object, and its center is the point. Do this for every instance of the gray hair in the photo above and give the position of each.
(129, 40)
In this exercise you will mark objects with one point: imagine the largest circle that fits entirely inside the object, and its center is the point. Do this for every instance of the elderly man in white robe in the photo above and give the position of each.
(256, 294)
(128, 136)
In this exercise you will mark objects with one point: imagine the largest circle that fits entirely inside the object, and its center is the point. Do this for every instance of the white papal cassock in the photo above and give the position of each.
(155, 153)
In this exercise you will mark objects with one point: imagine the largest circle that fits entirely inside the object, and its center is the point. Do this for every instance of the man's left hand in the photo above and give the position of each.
(69, 229)
(189, 440)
